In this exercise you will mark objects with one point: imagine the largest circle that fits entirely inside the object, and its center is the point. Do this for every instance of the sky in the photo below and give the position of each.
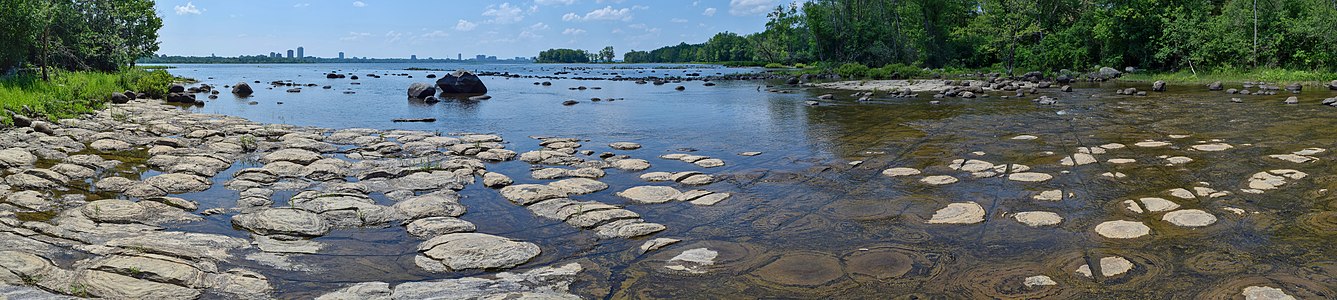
(442, 29)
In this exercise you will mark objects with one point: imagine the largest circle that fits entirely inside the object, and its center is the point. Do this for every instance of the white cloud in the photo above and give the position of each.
(608, 13)
(538, 26)
(393, 36)
(710, 12)
(573, 31)
(554, 2)
(301, 5)
(608, 1)
(435, 34)
(750, 7)
(353, 36)
(464, 25)
(189, 9)
(359, 4)
(677, 20)
(504, 14)
(570, 16)
(529, 35)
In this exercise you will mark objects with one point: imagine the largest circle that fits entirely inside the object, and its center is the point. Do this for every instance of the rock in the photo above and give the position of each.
(427, 228)
(294, 90)
(1029, 177)
(1212, 147)
(959, 213)
(297, 156)
(542, 283)
(579, 186)
(1107, 73)
(1266, 292)
(118, 98)
(624, 146)
(710, 199)
(1292, 100)
(465, 251)
(1110, 266)
(1158, 86)
(16, 158)
(176, 88)
(709, 163)
(438, 204)
(461, 82)
(496, 180)
(177, 183)
(419, 90)
(33, 200)
(570, 102)
(114, 211)
(901, 171)
(242, 89)
(116, 286)
(361, 291)
(1038, 280)
(939, 180)
(1215, 86)
(1038, 218)
(631, 164)
(1189, 218)
(285, 221)
(650, 194)
(657, 243)
(526, 194)
(1122, 229)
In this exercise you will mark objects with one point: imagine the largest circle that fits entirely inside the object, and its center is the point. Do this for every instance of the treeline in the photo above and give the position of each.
(576, 56)
(97, 35)
(1010, 35)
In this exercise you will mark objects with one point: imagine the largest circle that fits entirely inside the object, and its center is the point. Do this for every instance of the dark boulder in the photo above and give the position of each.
(176, 88)
(332, 76)
(1107, 73)
(1158, 86)
(461, 82)
(431, 75)
(130, 94)
(181, 98)
(354, 77)
(1332, 85)
(19, 119)
(569, 102)
(119, 98)
(1066, 88)
(1215, 86)
(421, 90)
(242, 89)
(431, 99)
(792, 80)
(295, 90)
(142, 95)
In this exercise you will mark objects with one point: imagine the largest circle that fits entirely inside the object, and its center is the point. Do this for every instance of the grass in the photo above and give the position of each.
(69, 94)
(1231, 75)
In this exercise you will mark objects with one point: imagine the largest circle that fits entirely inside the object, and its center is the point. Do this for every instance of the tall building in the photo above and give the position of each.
(272, 54)
(480, 57)
(341, 55)
(459, 56)
(299, 52)
(289, 53)
(413, 57)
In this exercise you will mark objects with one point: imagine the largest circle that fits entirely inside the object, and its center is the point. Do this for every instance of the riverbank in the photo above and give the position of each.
(69, 94)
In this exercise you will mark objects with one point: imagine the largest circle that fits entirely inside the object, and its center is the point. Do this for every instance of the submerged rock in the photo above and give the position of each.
(650, 194)
(1189, 218)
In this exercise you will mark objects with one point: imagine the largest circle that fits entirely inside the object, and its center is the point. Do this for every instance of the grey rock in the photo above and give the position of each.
(465, 251)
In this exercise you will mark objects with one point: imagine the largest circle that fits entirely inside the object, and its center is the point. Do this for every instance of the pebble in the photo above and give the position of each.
(1110, 266)
(1212, 147)
(1029, 177)
(1039, 280)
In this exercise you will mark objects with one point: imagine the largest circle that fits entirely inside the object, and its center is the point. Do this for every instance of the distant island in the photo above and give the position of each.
(264, 59)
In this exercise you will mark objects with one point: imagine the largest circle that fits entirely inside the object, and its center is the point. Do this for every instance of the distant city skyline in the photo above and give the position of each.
(377, 28)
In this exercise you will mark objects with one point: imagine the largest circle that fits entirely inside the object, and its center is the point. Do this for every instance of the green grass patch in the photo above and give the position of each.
(1231, 75)
(69, 94)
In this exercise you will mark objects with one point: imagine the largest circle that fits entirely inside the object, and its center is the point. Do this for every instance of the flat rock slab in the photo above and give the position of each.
(286, 221)
(1029, 177)
(901, 171)
(1038, 218)
(959, 213)
(650, 194)
(1189, 218)
(1121, 229)
(465, 251)
(939, 180)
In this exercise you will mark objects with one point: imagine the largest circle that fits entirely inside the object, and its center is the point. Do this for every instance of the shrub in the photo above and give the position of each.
(774, 66)
(800, 65)
(852, 70)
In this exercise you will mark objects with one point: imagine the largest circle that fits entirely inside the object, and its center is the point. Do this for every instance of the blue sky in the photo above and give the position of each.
(385, 28)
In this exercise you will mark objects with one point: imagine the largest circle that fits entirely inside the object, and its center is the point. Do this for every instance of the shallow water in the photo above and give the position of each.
(805, 223)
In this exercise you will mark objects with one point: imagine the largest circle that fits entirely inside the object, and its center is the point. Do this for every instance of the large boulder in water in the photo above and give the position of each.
(1215, 86)
(242, 89)
(1332, 85)
(176, 88)
(461, 82)
(420, 90)
(119, 98)
(1158, 86)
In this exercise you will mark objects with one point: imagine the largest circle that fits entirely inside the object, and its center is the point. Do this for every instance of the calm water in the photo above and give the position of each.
(805, 223)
